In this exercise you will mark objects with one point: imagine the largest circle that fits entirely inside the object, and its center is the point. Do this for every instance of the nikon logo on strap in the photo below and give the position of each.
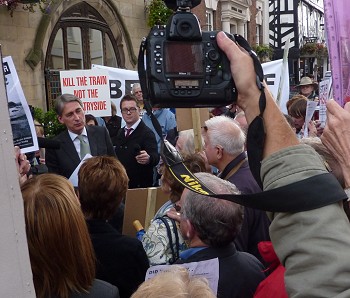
(193, 184)
(188, 180)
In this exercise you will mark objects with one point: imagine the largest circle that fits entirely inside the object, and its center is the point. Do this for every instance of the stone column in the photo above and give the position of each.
(226, 25)
(240, 28)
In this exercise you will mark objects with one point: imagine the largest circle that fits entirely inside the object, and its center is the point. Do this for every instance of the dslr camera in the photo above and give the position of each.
(185, 67)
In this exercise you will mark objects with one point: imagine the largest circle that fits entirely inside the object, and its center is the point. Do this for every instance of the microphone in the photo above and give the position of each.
(137, 149)
(48, 143)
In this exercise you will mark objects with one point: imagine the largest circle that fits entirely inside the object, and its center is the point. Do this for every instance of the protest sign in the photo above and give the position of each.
(91, 86)
(23, 129)
(337, 21)
(324, 91)
(208, 269)
(273, 75)
(141, 204)
(120, 82)
(310, 110)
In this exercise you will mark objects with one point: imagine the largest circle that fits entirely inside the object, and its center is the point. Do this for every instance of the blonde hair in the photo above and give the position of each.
(39, 128)
(60, 248)
(174, 283)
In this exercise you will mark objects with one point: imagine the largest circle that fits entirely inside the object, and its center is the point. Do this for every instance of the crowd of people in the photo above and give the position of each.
(75, 244)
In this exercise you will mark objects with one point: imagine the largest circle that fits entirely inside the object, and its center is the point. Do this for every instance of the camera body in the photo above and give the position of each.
(185, 67)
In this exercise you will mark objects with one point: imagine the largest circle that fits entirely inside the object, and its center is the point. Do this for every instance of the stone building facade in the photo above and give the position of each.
(34, 40)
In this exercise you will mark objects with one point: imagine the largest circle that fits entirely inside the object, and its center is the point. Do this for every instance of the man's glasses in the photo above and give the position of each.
(127, 111)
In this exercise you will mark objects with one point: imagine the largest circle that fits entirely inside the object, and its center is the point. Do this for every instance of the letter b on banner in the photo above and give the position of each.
(114, 88)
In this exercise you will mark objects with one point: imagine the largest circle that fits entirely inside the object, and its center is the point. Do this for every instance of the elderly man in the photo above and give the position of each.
(136, 145)
(224, 147)
(210, 225)
(137, 92)
(77, 140)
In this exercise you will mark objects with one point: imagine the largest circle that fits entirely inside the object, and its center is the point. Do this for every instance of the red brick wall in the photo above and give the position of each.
(199, 11)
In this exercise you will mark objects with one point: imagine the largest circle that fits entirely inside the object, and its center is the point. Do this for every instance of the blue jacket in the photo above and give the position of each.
(166, 120)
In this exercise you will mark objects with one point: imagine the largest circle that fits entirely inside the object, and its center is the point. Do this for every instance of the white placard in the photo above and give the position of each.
(208, 269)
(324, 90)
(310, 110)
(91, 86)
(273, 75)
(120, 82)
(22, 124)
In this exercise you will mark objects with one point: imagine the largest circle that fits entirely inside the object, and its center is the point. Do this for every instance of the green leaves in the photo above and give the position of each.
(158, 13)
(52, 126)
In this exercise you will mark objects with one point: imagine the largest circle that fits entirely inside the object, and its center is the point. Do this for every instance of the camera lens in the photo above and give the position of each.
(185, 28)
(213, 55)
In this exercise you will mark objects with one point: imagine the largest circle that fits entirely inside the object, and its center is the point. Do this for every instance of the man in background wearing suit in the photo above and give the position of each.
(136, 145)
(78, 140)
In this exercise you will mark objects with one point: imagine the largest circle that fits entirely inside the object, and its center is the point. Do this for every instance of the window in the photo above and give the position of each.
(209, 18)
(80, 38)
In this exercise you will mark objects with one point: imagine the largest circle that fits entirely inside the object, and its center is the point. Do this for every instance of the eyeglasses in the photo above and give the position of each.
(127, 111)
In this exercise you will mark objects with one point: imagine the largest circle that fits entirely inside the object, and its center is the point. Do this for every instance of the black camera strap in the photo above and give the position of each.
(256, 130)
(303, 195)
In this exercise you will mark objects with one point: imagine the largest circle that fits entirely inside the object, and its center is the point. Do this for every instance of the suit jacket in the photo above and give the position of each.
(121, 260)
(239, 273)
(142, 138)
(99, 289)
(64, 160)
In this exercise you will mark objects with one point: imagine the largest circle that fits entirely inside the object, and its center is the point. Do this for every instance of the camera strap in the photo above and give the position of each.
(299, 196)
(256, 130)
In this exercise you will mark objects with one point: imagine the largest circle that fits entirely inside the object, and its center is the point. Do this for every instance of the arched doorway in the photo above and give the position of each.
(80, 38)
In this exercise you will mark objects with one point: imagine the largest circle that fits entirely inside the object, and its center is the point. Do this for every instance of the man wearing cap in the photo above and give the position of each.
(308, 88)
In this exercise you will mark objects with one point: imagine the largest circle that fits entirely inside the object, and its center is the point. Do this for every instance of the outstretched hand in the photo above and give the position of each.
(336, 136)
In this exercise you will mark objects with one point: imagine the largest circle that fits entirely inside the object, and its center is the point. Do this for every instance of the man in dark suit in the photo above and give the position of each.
(77, 140)
(136, 145)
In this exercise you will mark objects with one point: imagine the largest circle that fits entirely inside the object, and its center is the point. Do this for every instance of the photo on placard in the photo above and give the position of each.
(21, 119)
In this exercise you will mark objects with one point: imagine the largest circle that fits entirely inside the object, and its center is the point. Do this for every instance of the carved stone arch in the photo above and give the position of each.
(106, 8)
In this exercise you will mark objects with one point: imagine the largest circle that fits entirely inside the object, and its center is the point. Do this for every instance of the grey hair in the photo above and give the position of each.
(216, 221)
(224, 131)
(134, 86)
(61, 100)
(188, 136)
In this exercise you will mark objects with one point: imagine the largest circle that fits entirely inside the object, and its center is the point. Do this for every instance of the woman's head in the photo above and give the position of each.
(194, 162)
(297, 110)
(175, 282)
(60, 248)
(102, 182)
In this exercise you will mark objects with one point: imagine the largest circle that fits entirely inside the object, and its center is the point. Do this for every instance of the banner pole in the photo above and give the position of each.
(284, 65)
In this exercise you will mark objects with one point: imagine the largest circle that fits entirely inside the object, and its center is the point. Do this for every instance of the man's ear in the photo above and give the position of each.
(60, 119)
(191, 232)
(218, 152)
